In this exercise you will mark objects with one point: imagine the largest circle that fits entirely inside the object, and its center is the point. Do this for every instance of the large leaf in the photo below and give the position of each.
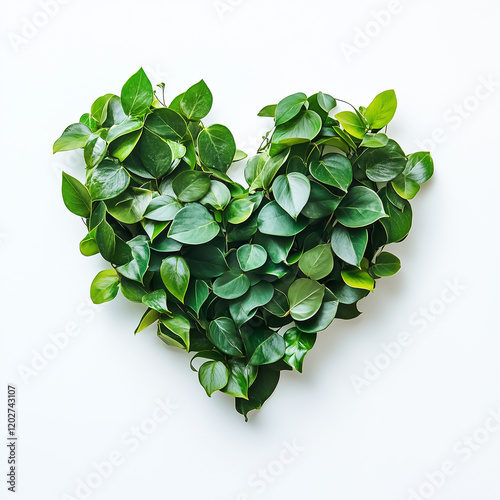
(275, 221)
(223, 334)
(291, 191)
(94, 150)
(385, 164)
(138, 266)
(104, 287)
(289, 107)
(358, 278)
(419, 167)
(162, 208)
(386, 265)
(75, 136)
(321, 203)
(305, 298)
(231, 285)
(382, 109)
(323, 318)
(107, 180)
(167, 124)
(156, 154)
(130, 206)
(333, 169)
(317, 262)
(241, 377)
(156, 300)
(213, 375)
(193, 225)
(352, 123)
(302, 128)
(127, 126)
(349, 244)
(175, 274)
(218, 196)
(263, 346)
(197, 101)
(76, 196)
(251, 257)
(191, 185)
(137, 94)
(360, 207)
(216, 147)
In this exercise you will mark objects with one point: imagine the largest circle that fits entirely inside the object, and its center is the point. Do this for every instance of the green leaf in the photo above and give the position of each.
(241, 377)
(406, 188)
(374, 140)
(76, 196)
(289, 107)
(223, 334)
(386, 265)
(137, 267)
(107, 180)
(162, 208)
(122, 147)
(231, 285)
(258, 295)
(274, 220)
(74, 137)
(156, 300)
(385, 164)
(260, 391)
(398, 223)
(381, 110)
(99, 109)
(196, 295)
(132, 290)
(105, 239)
(291, 191)
(419, 167)
(322, 202)
(213, 375)
(268, 111)
(216, 147)
(191, 185)
(218, 196)
(333, 169)
(302, 128)
(305, 298)
(263, 346)
(137, 94)
(239, 211)
(175, 274)
(104, 287)
(360, 207)
(239, 155)
(317, 262)
(156, 154)
(206, 261)
(251, 257)
(130, 206)
(349, 244)
(253, 170)
(180, 326)
(270, 169)
(148, 318)
(95, 150)
(167, 124)
(193, 225)
(127, 126)
(298, 344)
(323, 318)
(88, 246)
(197, 101)
(352, 123)
(276, 247)
(358, 278)
(278, 305)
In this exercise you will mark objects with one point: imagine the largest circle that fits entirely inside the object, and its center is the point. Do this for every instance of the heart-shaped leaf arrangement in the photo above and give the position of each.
(244, 276)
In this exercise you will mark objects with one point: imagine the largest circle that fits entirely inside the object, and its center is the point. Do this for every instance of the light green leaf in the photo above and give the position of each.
(104, 287)
(251, 257)
(76, 196)
(75, 136)
(239, 210)
(175, 274)
(291, 191)
(317, 262)
(358, 278)
(374, 140)
(406, 188)
(305, 298)
(213, 376)
(381, 110)
(352, 123)
(193, 225)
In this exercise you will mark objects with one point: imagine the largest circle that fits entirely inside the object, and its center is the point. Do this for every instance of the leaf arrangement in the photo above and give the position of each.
(244, 277)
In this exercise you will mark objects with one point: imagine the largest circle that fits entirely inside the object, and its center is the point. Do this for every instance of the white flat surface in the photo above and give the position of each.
(379, 442)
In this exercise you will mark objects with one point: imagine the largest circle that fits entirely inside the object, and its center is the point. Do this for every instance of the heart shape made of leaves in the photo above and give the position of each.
(245, 277)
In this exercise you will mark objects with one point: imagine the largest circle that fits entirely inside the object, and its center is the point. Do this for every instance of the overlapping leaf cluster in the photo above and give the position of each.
(245, 277)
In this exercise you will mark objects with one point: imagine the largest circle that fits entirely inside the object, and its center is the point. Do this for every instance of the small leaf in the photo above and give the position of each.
(317, 262)
(197, 101)
(381, 110)
(75, 136)
(352, 123)
(251, 257)
(231, 285)
(386, 265)
(104, 287)
(349, 244)
(305, 298)
(298, 344)
(216, 147)
(213, 375)
(137, 94)
(223, 334)
(291, 191)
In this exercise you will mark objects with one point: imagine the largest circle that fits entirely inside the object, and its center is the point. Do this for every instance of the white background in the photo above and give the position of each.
(378, 442)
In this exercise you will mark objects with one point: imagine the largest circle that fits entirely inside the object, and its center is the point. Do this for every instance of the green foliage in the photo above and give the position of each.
(244, 277)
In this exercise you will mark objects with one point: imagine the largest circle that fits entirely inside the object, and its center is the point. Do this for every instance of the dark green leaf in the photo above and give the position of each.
(349, 244)
(298, 344)
(333, 169)
(213, 375)
(137, 94)
(107, 180)
(289, 107)
(216, 147)
(231, 285)
(175, 274)
(275, 221)
(191, 185)
(197, 101)
(223, 334)
(360, 207)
